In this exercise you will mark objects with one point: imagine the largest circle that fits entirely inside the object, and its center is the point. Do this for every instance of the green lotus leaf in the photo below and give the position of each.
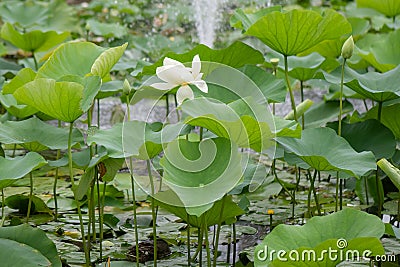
(390, 8)
(379, 87)
(357, 246)
(26, 246)
(23, 77)
(20, 202)
(295, 31)
(323, 232)
(324, 150)
(242, 19)
(301, 68)
(14, 108)
(244, 122)
(135, 138)
(61, 100)
(80, 59)
(7, 67)
(321, 113)
(106, 30)
(201, 172)
(54, 15)
(381, 50)
(15, 168)
(34, 41)
(104, 63)
(389, 117)
(369, 135)
(34, 130)
(236, 55)
(212, 216)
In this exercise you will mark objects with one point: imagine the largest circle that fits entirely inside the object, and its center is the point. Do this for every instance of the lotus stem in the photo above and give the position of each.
(341, 99)
(71, 176)
(205, 229)
(98, 112)
(378, 188)
(153, 213)
(314, 190)
(234, 242)
(366, 190)
(218, 233)
(199, 246)
(188, 238)
(3, 218)
(55, 182)
(135, 226)
(34, 60)
(290, 89)
(337, 192)
(30, 197)
(101, 215)
(167, 105)
(302, 99)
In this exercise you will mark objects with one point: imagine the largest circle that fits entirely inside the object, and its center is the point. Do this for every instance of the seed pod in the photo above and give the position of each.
(348, 48)
(274, 61)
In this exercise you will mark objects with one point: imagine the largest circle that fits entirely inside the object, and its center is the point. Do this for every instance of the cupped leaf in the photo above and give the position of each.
(106, 30)
(213, 216)
(135, 138)
(65, 101)
(201, 172)
(34, 41)
(242, 19)
(324, 150)
(369, 135)
(80, 59)
(34, 130)
(320, 233)
(295, 31)
(389, 117)
(390, 8)
(243, 121)
(25, 239)
(15, 168)
(381, 50)
(236, 55)
(23, 77)
(373, 85)
(391, 171)
(18, 110)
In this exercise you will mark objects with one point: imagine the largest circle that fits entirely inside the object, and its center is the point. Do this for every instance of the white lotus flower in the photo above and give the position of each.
(174, 74)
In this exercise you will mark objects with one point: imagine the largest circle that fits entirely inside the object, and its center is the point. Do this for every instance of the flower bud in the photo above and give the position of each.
(348, 48)
(126, 88)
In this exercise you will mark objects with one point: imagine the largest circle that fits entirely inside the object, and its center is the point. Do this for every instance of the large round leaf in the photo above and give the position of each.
(295, 31)
(245, 122)
(33, 130)
(80, 59)
(369, 135)
(34, 41)
(15, 168)
(324, 150)
(381, 50)
(348, 225)
(390, 8)
(65, 101)
(236, 55)
(30, 247)
(201, 172)
(376, 86)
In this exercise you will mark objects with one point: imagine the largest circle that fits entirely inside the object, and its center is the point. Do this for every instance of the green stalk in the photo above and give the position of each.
(3, 218)
(153, 213)
(337, 191)
(135, 226)
(205, 229)
(290, 88)
(218, 233)
(234, 242)
(34, 60)
(167, 105)
(199, 246)
(379, 194)
(312, 179)
(30, 197)
(55, 183)
(188, 238)
(71, 176)
(339, 182)
(302, 99)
